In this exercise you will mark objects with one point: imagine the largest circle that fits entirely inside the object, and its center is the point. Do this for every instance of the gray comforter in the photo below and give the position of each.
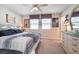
(10, 42)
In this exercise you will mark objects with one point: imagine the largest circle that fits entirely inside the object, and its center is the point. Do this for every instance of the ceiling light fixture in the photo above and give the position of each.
(34, 9)
(37, 7)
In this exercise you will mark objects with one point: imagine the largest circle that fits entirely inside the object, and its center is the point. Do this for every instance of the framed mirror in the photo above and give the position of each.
(75, 19)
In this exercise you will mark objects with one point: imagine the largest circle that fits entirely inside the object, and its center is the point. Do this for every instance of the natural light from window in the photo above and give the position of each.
(46, 23)
(34, 23)
(75, 22)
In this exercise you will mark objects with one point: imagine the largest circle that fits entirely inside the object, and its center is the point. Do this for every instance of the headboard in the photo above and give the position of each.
(8, 26)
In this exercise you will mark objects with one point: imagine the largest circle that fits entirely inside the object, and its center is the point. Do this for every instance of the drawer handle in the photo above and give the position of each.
(74, 44)
(74, 39)
(74, 50)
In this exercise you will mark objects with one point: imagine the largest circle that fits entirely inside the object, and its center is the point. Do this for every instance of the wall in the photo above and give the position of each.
(4, 11)
(53, 33)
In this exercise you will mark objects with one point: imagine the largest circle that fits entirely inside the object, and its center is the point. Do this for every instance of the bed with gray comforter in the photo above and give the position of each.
(18, 43)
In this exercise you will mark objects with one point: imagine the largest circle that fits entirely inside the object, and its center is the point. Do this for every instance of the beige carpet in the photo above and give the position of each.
(48, 46)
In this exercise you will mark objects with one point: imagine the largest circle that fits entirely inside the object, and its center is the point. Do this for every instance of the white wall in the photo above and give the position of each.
(69, 10)
(4, 11)
(25, 17)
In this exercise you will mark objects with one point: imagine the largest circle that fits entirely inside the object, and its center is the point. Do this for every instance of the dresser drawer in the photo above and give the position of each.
(76, 44)
(74, 51)
(74, 39)
(71, 44)
(74, 47)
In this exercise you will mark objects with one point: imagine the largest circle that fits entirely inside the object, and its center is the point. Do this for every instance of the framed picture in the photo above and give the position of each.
(7, 18)
(10, 19)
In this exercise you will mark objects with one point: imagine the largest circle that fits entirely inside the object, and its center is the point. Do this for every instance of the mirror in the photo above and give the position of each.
(75, 19)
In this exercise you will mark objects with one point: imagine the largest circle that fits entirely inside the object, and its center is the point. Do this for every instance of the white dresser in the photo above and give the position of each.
(71, 43)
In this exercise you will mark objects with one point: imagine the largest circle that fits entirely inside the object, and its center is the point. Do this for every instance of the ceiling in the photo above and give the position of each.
(25, 9)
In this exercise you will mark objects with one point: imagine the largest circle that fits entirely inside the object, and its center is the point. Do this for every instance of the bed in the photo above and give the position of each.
(14, 41)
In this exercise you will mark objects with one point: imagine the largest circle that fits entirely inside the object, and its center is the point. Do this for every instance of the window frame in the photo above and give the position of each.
(40, 17)
(47, 23)
(74, 22)
(32, 25)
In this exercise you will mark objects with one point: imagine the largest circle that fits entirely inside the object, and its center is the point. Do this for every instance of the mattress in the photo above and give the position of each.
(21, 44)
(34, 35)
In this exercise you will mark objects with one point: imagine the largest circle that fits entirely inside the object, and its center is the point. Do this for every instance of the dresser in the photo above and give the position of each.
(70, 43)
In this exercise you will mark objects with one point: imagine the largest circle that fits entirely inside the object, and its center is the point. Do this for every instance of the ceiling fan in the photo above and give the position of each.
(36, 7)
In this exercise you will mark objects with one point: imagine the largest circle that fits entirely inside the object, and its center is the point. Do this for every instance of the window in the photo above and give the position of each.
(43, 21)
(75, 22)
(34, 23)
(46, 23)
